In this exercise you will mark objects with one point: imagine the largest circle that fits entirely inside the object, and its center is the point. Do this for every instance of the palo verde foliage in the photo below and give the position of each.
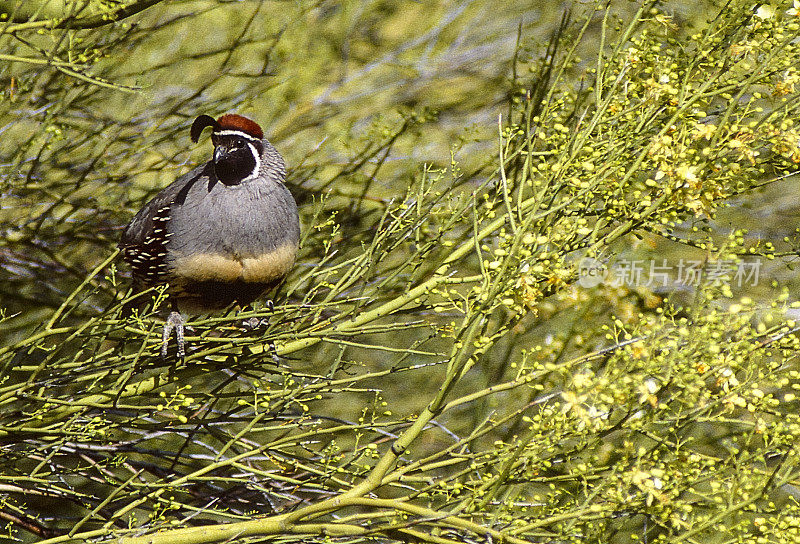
(433, 370)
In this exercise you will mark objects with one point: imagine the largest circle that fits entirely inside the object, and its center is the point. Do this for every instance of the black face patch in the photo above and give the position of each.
(234, 159)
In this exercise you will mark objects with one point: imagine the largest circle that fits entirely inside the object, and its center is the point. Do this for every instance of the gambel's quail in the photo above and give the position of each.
(224, 233)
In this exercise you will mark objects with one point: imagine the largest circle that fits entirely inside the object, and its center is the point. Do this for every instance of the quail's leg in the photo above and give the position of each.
(174, 321)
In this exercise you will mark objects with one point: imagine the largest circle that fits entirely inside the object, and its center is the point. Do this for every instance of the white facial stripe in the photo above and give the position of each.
(236, 133)
(257, 167)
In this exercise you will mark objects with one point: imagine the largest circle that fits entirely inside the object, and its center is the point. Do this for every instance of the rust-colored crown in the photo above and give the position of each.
(231, 121)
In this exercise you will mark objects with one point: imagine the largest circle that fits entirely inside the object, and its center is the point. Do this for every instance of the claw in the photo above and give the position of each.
(251, 324)
(174, 321)
(254, 323)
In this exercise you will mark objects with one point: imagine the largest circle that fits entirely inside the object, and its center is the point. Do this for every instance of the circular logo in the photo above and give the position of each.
(591, 272)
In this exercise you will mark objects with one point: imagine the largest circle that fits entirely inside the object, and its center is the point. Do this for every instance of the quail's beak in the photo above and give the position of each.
(220, 152)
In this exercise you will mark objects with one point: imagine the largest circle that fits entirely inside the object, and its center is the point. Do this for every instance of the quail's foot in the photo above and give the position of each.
(254, 323)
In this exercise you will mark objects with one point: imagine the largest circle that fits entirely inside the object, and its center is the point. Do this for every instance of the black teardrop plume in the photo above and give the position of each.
(200, 124)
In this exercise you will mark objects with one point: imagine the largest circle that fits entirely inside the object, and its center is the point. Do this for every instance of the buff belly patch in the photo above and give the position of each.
(229, 268)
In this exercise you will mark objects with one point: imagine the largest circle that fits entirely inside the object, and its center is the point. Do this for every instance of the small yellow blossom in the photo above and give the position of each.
(704, 130)
(765, 12)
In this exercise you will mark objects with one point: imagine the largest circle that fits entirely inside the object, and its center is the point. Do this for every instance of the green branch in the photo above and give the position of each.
(59, 14)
